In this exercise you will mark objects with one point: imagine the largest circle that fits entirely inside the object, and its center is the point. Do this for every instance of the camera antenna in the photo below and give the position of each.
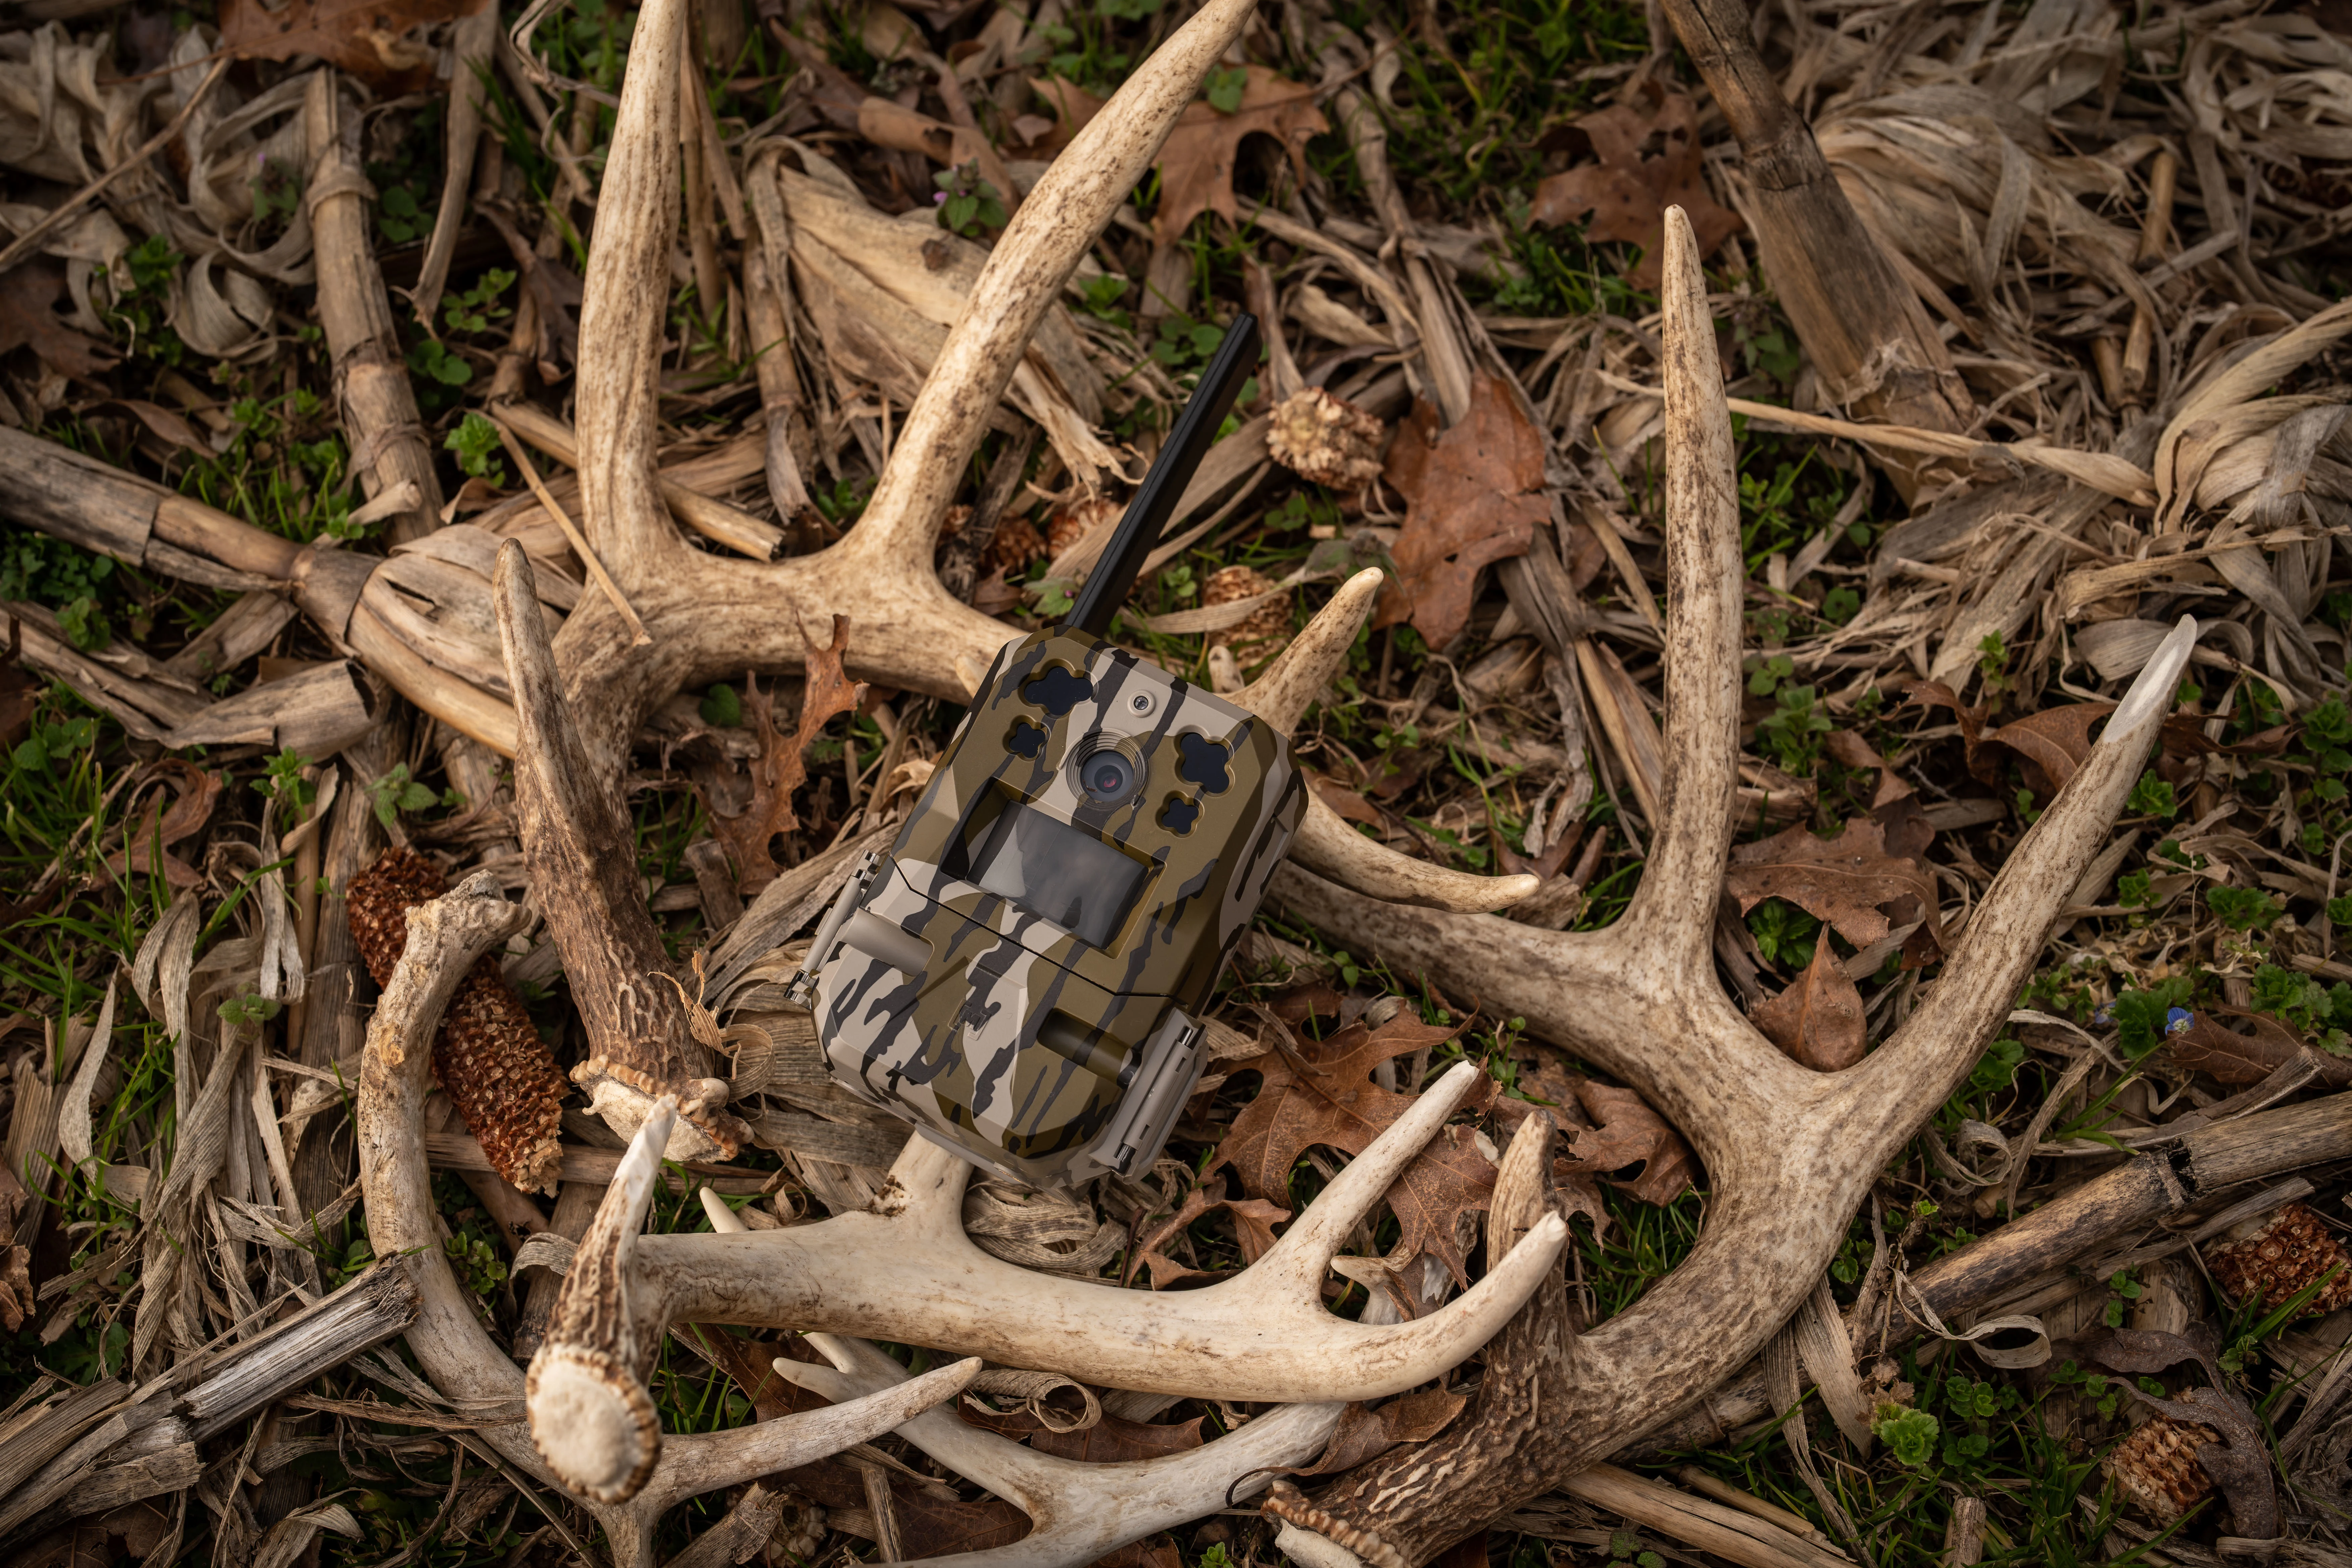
(1108, 585)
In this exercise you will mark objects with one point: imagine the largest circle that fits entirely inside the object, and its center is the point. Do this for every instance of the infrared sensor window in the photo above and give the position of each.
(1058, 873)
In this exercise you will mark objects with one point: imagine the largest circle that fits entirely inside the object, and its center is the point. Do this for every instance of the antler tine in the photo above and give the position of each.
(1939, 1044)
(1705, 587)
(591, 1416)
(1066, 211)
(621, 314)
(1302, 671)
(1079, 1512)
(1281, 697)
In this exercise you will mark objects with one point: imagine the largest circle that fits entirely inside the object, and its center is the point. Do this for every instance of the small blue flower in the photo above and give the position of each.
(2178, 1020)
(2104, 1017)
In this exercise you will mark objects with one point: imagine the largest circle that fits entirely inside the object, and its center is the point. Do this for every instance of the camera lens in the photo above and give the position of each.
(1106, 775)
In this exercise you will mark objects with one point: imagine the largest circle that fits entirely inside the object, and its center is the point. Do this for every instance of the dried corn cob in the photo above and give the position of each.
(2268, 1261)
(488, 1058)
(2157, 1467)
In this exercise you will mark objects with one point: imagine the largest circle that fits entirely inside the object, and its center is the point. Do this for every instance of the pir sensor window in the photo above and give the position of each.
(1059, 873)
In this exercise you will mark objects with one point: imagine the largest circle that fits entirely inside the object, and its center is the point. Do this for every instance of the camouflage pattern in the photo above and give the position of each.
(1030, 1051)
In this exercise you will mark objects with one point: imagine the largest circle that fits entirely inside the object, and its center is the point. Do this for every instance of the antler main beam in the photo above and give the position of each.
(1789, 1153)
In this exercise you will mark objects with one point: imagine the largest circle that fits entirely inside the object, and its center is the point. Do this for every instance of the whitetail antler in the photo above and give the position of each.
(711, 615)
(1078, 1512)
(1789, 1153)
(906, 1273)
(457, 1355)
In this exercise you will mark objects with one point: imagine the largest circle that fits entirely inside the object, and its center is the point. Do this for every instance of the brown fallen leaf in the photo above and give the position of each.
(1475, 495)
(1196, 163)
(28, 294)
(1851, 882)
(149, 823)
(1351, 807)
(20, 691)
(1151, 1551)
(1629, 1133)
(16, 1262)
(1340, 1108)
(1624, 195)
(374, 40)
(2209, 1046)
(1110, 1441)
(782, 766)
(1365, 1434)
(1254, 1223)
(2048, 745)
(1817, 1019)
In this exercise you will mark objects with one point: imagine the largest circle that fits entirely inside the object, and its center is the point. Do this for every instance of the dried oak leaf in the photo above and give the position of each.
(2048, 745)
(20, 691)
(28, 294)
(1110, 1441)
(1254, 1223)
(1850, 882)
(1476, 497)
(1336, 1104)
(16, 1262)
(1196, 163)
(194, 793)
(2209, 1046)
(782, 766)
(372, 39)
(1365, 1434)
(1648, 160)
(1628, 1133)
(1817, 1019)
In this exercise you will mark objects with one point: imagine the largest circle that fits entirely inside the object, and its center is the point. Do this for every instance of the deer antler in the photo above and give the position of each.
(712, 615)
(906, 1273)
(1078, 1512)
(1789, 1152)
(457, 1355)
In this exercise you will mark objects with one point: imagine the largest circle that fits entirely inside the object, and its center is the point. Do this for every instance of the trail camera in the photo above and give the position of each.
(1021, 975)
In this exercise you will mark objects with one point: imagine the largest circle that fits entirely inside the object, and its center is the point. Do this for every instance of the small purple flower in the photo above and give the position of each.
(938, 198)
(2177, 1021)
(2105, 1016)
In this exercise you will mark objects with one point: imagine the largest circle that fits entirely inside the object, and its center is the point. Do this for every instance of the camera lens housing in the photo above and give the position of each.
(1105, 774)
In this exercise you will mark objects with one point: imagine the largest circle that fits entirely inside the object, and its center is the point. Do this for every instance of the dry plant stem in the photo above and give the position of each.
(1788, 1152)
(472, 42)
(26, 242)
(455, 1353)
(714, 520)
(1855, 315)
(530, 472)
(583, 855)
(379, 417)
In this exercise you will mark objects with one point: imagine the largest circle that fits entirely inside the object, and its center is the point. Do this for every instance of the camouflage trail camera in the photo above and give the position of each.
(1020, 976)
